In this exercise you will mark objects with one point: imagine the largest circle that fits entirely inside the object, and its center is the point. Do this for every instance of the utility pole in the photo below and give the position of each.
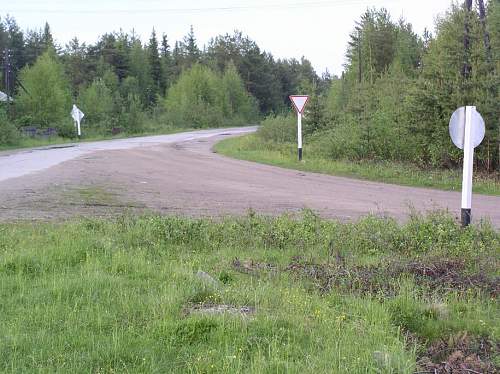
(7, 72)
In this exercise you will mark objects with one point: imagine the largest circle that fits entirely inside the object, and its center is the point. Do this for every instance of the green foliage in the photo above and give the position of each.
(66, 129)
(194, 100)
(109, 76)
(48, 99)
(202, 98)
(441, 89)
(270, 82)
(121, 295)
(194, 331)
(318, 159)
(96, 101)
(140, 69)
(431, 320)
(132, 116)
(237, 104)
(157, 73)
(280, 129)
(398, 92)
(9, 135)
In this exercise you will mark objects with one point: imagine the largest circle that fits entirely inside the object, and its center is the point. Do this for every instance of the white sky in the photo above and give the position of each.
(316, 29)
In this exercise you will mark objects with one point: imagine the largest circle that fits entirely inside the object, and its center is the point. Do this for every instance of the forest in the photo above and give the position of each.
(392, 102)
(395, 98)
(123, 84)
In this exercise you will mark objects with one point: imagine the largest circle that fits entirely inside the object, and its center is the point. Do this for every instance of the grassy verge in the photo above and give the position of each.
(33, 142)
(250, 148)
(286, 295)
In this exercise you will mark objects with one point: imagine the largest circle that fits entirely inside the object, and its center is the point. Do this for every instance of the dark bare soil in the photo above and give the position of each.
(433, 274)
(459, 354)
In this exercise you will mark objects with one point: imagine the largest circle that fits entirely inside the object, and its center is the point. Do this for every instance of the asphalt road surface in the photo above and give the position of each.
(180, 174)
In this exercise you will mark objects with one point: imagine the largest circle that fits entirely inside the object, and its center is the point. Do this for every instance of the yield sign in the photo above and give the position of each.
(299, 102)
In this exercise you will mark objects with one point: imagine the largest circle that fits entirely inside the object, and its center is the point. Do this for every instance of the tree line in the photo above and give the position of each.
(122, 82)
(399, 89)
(393, 100)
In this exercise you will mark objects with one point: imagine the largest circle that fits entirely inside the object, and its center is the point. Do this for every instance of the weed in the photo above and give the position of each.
(296, 294)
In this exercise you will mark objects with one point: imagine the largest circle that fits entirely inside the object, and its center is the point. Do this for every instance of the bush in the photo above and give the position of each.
(279, 129)
(132, 116)
(9, 135)
(66, 129)
(96, 101)
(344, 141)
(202, 98)
(49, 98)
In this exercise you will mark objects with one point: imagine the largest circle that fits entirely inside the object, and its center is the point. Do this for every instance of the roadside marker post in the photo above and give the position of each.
(77, 115)
(299, 103)
(467, 132)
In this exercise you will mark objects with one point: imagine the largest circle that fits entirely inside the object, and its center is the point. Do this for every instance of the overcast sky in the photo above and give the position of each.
(316, 29)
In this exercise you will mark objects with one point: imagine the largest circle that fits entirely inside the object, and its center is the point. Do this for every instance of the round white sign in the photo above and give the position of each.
(457, 127)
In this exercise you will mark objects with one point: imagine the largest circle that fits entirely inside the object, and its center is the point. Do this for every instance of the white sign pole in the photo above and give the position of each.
(79, 130)
(299, 134)
(467, 131)
(468, 167)
(299, 102)
(77, 115)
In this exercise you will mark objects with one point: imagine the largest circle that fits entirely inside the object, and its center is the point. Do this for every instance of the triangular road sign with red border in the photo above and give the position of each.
(299, 102)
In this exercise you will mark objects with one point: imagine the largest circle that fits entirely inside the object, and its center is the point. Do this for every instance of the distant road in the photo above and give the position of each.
(24, 161)
(180, 174)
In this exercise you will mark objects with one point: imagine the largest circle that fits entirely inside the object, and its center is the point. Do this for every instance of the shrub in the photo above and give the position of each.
(49, 98)
(280, 129)
(66, 129)
(9, 135)
(96, 101)
(202, 98)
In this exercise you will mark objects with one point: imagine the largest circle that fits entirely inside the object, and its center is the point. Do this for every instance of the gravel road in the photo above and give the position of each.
(180, 174)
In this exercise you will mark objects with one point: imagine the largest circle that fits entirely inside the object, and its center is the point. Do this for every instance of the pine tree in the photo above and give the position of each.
(75, 64)
(47, 39)
(177, 60)
(141, 70)
(14, 42)
(155, 65)
(166, 63)
(193, 53)
(34, 47)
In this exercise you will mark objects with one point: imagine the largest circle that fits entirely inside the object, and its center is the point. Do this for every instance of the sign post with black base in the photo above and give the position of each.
(299, 103)
(467, 132)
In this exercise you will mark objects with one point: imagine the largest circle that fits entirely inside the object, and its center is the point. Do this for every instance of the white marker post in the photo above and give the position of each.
(299, 103)
(467, 132)
(77, 115)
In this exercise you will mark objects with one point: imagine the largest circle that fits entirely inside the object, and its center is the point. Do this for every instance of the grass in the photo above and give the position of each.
(122, 295)
(26, 142)
(95, 195)
(251, 148)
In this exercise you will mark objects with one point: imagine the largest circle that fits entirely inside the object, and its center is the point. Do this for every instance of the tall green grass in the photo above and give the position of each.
(97, 295)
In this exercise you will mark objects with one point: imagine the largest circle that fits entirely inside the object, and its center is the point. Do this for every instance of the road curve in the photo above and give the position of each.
(24, 161)
(184, 176)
